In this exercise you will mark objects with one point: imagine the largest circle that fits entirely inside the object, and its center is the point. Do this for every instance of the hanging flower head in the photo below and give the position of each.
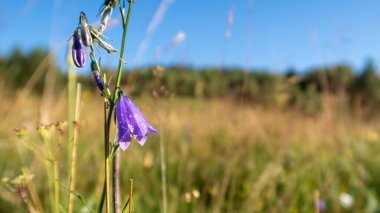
(131, 123)
(78, 53)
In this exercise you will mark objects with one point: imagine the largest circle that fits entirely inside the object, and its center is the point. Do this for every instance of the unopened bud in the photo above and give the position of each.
(85, 32)
(105, 19)
(78, 53)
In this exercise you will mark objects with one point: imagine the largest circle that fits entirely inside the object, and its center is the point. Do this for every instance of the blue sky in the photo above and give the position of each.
(267, 34)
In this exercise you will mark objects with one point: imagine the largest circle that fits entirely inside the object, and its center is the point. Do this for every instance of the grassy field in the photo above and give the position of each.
(220, 155)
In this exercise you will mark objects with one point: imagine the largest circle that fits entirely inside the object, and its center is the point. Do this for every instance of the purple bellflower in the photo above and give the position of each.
(78, 53)
(131, 123)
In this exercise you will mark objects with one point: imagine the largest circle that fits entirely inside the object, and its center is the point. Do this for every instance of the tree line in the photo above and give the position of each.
(303, 91)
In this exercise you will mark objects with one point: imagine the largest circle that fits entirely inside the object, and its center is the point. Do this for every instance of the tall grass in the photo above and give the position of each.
(221, 157)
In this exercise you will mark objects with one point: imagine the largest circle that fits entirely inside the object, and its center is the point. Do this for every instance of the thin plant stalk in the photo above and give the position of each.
(48, 168)
(28, 204)
(101, 203)
(163, 173)
(74, 149)
(103, 195)
(106, 152)
(130, 195)
(120, 66)
(116, 182)
(33, 191)
(108, 182)
(72, 79)
(56, 186)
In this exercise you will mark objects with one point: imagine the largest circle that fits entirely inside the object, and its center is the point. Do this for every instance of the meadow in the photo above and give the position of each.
(221, 155)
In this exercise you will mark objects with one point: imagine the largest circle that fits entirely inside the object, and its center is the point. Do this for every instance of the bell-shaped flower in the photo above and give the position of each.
(78, 54)
(131, 123)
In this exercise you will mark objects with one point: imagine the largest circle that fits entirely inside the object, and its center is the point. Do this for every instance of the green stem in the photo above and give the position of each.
(29, 204)
(163, 172)
(116, 182)
(108, 163)
(73, 162)
(108, 185)
(56, 186)
(103, 196)
(130, 195)
(48, 168)
(72, 79)
(106, 152)
(113, 164)
(101, 203)
(125, 29)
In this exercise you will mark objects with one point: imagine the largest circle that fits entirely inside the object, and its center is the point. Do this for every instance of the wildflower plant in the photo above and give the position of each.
(19, 185)
(48, 148)
(129, 121)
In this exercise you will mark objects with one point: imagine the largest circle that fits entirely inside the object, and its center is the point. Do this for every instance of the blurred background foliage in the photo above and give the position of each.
(293, 89)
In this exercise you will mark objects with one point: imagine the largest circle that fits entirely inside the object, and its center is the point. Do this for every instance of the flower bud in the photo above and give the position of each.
(105, 18)
(85, 32)
(78, 53)
(97, 77)
(21, 132)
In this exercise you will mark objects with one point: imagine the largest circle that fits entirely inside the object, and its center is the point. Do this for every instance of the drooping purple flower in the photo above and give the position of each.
(78, 53)
(131, 123)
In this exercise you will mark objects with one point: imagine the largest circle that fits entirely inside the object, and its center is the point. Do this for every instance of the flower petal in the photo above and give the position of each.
(79, 57)
(136, 121)
(124, 134)
(124, 145)
(152, 130)
(141, 139)
(124, 138)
